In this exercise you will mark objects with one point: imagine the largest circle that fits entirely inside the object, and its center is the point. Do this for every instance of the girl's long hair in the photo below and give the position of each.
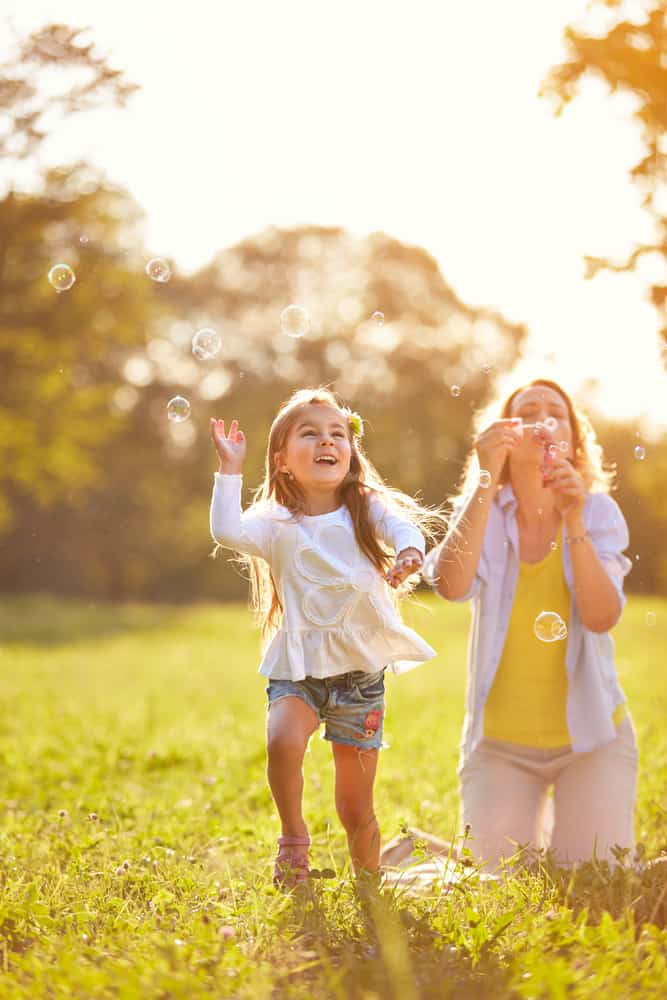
(588, 458)
(356, 491)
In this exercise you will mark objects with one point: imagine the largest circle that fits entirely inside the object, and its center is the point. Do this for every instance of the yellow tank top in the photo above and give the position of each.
(527, 702)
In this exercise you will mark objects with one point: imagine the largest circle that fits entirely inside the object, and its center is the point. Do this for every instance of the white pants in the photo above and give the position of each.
(504, 795)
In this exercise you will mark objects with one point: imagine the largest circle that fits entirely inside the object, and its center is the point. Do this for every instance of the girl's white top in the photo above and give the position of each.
(338, 613)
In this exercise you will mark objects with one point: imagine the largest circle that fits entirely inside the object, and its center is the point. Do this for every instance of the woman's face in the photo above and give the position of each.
(539, 404)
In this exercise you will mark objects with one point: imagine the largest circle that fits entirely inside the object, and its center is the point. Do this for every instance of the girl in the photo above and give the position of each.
(324, 538)
(538, 547)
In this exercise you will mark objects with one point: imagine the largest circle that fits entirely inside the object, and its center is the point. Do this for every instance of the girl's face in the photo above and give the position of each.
(539, 404)
(317, 451)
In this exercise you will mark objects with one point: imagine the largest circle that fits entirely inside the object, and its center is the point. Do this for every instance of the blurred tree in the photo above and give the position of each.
(142, 530)
(641, 492)
(61, 352)
(631, 56)
(53, 74)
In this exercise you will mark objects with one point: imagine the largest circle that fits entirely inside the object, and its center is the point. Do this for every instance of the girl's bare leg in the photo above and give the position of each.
(355, 776)
(290, 724)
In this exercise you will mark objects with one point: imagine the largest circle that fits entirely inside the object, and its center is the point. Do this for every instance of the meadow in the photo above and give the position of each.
(137, 829)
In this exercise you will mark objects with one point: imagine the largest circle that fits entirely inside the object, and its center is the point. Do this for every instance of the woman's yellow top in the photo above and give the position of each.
(527, 702)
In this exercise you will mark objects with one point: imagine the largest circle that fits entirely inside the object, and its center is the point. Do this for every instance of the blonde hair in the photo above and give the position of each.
(588, 458)
(356, 490)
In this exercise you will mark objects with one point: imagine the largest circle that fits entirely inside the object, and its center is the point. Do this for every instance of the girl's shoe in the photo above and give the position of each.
(291, 864)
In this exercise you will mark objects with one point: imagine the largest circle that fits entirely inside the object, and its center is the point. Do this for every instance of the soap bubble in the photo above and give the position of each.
(650, 618)
(640, 453)
(486, 368)
(83, 239)
(549, 627)
(158, 269)
(455, 391)
(294, 321)
(61, 277)
(553, 450)
(551, 424)
(564, 446)
(178, 409)
(554, 546)
(206, 343)
(378, 317)
(484, 479)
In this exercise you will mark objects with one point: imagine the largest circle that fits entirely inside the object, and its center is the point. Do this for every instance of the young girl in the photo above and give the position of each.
(325, 539)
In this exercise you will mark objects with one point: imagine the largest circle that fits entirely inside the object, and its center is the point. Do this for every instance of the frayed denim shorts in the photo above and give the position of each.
(351, 705)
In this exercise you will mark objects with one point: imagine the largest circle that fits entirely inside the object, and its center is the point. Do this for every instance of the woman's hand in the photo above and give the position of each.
(408, 561)
(494, 443)
(231, 449)
(567, 485)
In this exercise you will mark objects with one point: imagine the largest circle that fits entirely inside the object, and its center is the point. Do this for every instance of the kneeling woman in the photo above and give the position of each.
(537, 545)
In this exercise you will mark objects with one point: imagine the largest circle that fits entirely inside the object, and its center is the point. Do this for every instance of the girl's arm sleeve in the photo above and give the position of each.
(394, 530)
(248, 531)
(609, 534)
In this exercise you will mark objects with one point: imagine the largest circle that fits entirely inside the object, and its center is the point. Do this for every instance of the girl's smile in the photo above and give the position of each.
(317, 451)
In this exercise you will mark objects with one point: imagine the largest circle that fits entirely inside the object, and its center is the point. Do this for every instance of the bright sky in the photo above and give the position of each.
(421, 119)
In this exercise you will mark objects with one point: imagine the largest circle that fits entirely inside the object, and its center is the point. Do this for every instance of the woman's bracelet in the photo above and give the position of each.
(579, 538)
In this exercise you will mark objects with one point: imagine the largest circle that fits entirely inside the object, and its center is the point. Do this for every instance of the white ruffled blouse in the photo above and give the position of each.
(338, 613)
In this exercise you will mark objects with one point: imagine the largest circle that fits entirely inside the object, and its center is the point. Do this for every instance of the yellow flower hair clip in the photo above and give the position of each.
(355, 422)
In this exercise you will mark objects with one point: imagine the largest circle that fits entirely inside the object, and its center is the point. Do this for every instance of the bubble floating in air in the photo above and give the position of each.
(294, 321)
(455, 391)
(206, 343)
(61, 277)
(158, 269)
(650, 618)
(378, 317)
(640, 453)
(549, 627)
(178, 409)
(484, 479)
(551, 424)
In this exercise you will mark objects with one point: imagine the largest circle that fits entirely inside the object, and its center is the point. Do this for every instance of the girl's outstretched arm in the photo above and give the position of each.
(250, 531)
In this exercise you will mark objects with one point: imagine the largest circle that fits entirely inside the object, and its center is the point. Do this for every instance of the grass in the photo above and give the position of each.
(137, 828)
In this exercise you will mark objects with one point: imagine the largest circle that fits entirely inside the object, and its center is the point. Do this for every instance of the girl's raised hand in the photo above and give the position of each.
(408, 561)
(231, 449)
(495, 441)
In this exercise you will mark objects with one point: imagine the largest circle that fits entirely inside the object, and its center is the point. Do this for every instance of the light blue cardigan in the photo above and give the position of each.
(593, 688)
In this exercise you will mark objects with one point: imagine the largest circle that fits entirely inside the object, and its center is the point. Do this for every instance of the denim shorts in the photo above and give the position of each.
(351, 705)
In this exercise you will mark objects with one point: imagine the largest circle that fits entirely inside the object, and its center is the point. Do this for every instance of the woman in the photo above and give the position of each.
(537, 545)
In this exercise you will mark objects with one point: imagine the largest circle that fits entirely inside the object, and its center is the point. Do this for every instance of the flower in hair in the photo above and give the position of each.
(355, 422)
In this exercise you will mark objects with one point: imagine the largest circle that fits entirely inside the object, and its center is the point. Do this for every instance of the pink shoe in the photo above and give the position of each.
(291, 864)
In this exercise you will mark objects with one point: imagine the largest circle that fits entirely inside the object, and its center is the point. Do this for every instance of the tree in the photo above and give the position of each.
(32, 108)
(61, 352)
(632, 57)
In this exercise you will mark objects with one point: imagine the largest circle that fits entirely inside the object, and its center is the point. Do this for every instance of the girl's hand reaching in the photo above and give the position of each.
(408, 561)
(231, 449)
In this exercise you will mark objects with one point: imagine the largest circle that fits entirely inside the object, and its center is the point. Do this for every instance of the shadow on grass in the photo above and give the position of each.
(41, 620)
(380, 946)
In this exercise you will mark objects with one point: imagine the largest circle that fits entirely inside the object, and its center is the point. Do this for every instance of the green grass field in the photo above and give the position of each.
(138, 830)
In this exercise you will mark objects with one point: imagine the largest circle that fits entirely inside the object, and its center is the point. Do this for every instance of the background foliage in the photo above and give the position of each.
(99, 493)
